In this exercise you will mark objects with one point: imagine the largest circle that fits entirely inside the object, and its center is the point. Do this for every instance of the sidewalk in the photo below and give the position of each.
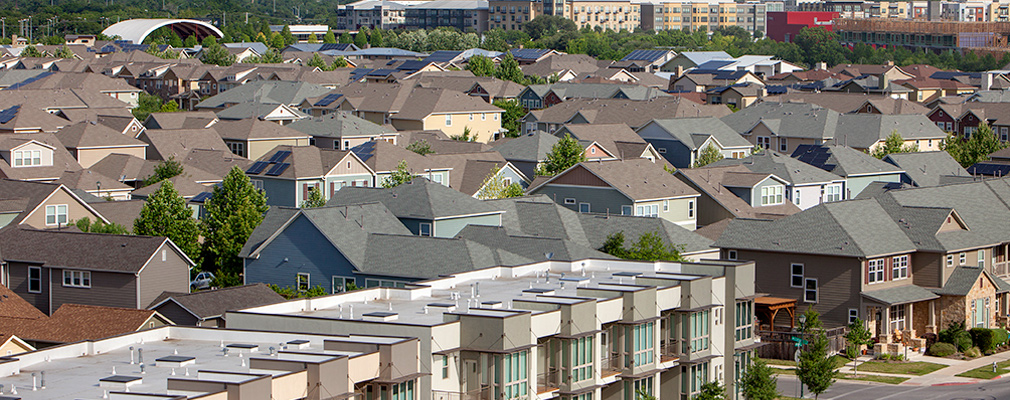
(945, 376)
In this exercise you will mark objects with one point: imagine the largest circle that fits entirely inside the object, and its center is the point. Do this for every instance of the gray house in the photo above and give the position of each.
(288, 173)
(424, 207)
(681, 140)
(857, 168)
(931, 168)
(806, 185)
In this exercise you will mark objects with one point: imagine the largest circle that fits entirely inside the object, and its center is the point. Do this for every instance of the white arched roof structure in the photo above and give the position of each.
(136, 30)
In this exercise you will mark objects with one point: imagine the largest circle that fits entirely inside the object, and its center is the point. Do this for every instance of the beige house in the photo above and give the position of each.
(42, 205)
(90, 143)
(451, 112)
(252, 138)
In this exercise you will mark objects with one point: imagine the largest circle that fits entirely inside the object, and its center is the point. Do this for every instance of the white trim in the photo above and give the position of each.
(71, 193)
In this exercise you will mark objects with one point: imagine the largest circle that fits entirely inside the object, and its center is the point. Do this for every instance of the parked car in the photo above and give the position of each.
(202, 281)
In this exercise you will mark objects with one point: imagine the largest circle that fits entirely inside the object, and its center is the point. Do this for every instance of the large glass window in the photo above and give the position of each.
(692, 377)
(579, 358)
(696, 331)
(642, 340)
(26, 158)
(515, 374)
(744, 320)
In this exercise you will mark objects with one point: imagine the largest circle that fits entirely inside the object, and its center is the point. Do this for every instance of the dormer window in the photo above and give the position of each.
(27, 158)
(771, 195)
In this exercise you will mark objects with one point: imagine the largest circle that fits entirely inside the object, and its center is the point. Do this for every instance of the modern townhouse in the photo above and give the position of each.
(591, 328)
(454, 113)
(648, 60)
(909, 262)
(806, 185)
(626, 187)
(475, 173)
(857, 168)
(634, 113)
(287, 174)
(735, 192)
(964, 119)
(681, 140)
(221, 363)
(738, 95)
(52, 268)
(925, 90)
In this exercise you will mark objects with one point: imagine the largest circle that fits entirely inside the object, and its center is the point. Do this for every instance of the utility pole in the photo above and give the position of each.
(247, 18)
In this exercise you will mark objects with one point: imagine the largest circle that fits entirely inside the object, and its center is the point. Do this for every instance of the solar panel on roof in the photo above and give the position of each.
(329, 99)
(442, 56)
(9, 114)
(280, 156)
(202, 197)
(30, 80)
(257, 167)
(278, 169)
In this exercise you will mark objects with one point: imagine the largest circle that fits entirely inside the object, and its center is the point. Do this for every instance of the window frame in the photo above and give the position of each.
(38, 280)
(585, 207)
(853, 315)
(807, 290)
(56, 214)
(899, 267)
(793, 275)
(731, 254)
(77, 279)
(298, 281)
(425, 229)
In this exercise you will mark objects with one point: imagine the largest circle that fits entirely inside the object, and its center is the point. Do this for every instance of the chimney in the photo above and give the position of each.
(821, 65)
(986, 80)
(678, 72)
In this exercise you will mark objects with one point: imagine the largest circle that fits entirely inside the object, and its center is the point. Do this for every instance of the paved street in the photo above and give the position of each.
(847, 390)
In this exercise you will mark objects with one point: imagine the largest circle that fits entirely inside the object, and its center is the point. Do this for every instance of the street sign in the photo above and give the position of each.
(799, 341)
(796, 356)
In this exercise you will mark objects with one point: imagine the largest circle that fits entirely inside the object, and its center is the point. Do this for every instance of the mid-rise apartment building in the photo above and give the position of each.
(591, 329)
(382, 14)
(465, 15)
(606, 14)
(708, 14)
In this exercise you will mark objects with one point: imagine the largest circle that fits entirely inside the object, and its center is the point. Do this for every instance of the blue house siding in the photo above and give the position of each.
(510, 174)
(279, 192)
(307, 251)
(601, 200)
(675, 152)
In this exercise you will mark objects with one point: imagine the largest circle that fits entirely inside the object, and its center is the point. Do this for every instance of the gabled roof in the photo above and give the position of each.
(613, 138)
(211, 165)
(177, 143)
(124, 167)
(382, 156)
(24, 197)
(207, 304)
(85, 135)
(266, 92)
(424, 102)
(62, 159)
(78, 250)
(900, 295)
(684, 130)
(646, 55)
(634, 113)
(252, 129)
(791, 170)
(181, 120)
(261, 111)
(843, 161)
(962, 280)
(470, 170)
(88, 180)
(532, 147)
(637, 179)
(793, 120)
(305, 162)
(123, 212)
(76, 322)
(531, 247)
(852, 102)
(709, 180)
(339, 124)
(419, 198)
(927, 168)
(699, 57)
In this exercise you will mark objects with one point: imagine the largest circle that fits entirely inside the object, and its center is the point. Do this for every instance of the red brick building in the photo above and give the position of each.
(783, 26)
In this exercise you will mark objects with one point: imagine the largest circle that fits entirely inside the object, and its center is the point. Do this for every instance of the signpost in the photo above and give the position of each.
(799, 342)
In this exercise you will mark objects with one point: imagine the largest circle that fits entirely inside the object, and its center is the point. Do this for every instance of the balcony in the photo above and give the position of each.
(668, 351)
(610, 366)
(1001, 269)
(547, 381)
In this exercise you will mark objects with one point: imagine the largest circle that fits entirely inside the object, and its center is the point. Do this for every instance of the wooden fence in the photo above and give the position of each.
(780, 346)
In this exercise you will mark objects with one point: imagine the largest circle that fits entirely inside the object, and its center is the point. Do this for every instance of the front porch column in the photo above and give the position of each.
(909, 319)
(932, 317)
(885, 318)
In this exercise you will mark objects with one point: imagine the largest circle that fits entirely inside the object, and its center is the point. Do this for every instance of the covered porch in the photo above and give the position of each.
(768, 308)
(898, 316)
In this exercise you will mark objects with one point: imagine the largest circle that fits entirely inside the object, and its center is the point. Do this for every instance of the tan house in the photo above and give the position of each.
(451, 112)
(91, 142)
(252, 138)
(925, 90)
(42, 205)
(35, 157)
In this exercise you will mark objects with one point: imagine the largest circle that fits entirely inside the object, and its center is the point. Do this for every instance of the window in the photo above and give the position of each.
(515, 375)
(625, 210)
(783, 144)
(584, 207)
(962, 258)
(898, 318)
(764, 142)
(771, 195)
(34, 279)
(832, 193)
(950, 260)
(875, 271)
(302, 282)
(731, 255)
(27, 158)
(237, 148)
(471, 116)
(81, 279)
(666, 205)
(647, 211)
(579, 354)
(981, 258)
(569, 200)
(796, 198)
(643, 385)
(899, 267)
(641, 343)
(693, 377)
(690, 208)
(445, 367)
(744, 320)
(483, 117)
(56, 215)
(696, 330)
(448, 120)
(796, 275)
(853, 315)
(810, 291)
(425, 229)
(339, 284)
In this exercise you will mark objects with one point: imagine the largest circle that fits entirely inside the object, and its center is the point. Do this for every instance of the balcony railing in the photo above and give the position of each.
(480, 394)
(668, 351)
(1000, 269)
(611, 365)
(548, 381)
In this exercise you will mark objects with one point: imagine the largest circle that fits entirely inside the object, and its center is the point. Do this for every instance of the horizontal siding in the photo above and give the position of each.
(171, 275)
(177, 314)
(19, 284)
(306, 250)
(107, 289)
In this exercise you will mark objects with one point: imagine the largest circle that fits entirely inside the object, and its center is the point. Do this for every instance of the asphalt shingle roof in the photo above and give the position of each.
(418, 198)
(212, 303)
(900, 295)
(927, 168)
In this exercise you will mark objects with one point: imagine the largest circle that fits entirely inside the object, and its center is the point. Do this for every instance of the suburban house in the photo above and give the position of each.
(609, 142)
(265, 92)
(425, 208)
(35, 157)
(964, 119)
(543, 96)
(252, 139)
(528, 151)
(452, 112)
(342, 130)
(281, 114)
(738, 95)
(785, 126)
(806, 185)
(177, 143)
(288, 173)
(850, 103)
(473, 172)
(648, 60)
(52, 268)
(636, 187)
(42, 205)
(908, 262)
(690, 59)
(703, 80)
(384, 158)
(857, 168)
(931, 168)
(681, 140)
(91, 142)
(634, 113)
(207, 307)
(736, 192)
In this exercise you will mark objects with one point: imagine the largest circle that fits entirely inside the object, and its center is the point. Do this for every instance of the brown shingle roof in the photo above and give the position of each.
(213, 303)
(638, 179)
(119, 212)
(75, 322)
(92, 134)
(166, 143)
(709, 180)
(423, 102)
(87, 251)
(634, 113)
(249, 129)
(62, 160)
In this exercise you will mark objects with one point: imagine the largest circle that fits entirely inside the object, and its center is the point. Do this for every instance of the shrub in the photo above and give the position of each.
(963, 341)
(883, 357)
(941, 349)
(1000, 336)
(984, 339)
(973, 352)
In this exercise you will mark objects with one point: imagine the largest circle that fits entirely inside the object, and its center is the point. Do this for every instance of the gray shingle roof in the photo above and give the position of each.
(212, 303)
(688, 130)
(418, 198)
(900, 295)
(638, 179)
(533, 147)
(337, 125)
(266, 92)
(88, 251)
(927, 168)
(793, 171)
(847, 162)
(531, 247)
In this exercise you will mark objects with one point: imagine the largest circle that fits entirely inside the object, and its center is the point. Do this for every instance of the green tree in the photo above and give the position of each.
(421, 147)
(233, 211)
(346, 38)
(277, 41)
(85, 225)
(976, 148)
(511, 118)
(375, 40)
(708, 155)
(820, 45)
(317, 62)
(31, 51)
(509, 70)
(711, 391)
(312, 38)
(480, 65)
(650, 247)
(147, 104)
(289, 39)
(614, 245)
(190, 41)
(565, 153)
(361, 40)
(169, 107)
(64, 52)
(164, 170)
(816, 369)
(758, 381)
(315, 199)
(338, 62)
(496, 187)
(400, 176)
(272, 56)
(855, 338)
(548, 25)
(216, 54)
(174, 40)
(165, 213)
(894, 143)
(329, 37)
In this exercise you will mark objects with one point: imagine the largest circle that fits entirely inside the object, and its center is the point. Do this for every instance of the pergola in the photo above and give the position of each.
(770, 307)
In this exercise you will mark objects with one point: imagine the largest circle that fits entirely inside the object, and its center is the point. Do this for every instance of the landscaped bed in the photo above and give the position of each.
(902, 368)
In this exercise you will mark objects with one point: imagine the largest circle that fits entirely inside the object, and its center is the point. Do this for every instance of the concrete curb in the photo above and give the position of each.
(957, 383)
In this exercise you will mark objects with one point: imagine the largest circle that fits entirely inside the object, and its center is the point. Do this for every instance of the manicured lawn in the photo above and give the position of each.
(986, 372)
(839, 362)
(789, 363)
(893, 380)
(781, 371)
(904, 368)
